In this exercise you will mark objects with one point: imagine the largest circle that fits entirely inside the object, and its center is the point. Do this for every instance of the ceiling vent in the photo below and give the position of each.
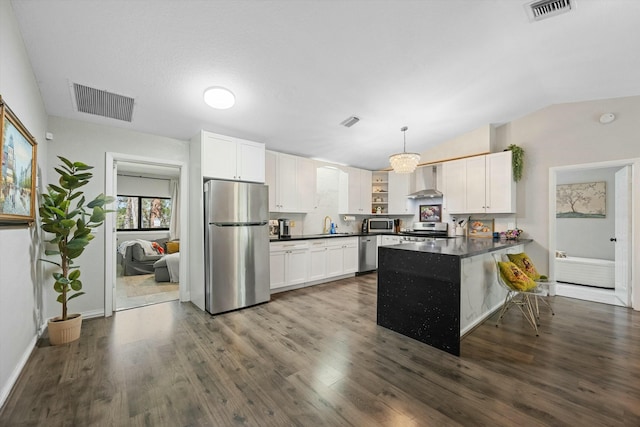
(350, 121)
(543, 9)
(102, 103)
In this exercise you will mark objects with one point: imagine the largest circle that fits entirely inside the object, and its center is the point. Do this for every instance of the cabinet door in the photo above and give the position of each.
(350, 256)
(335, 260)
(277, 267)
(355, 197)
(297, 266)
(399, 188)
(500, 188)
(270, 178)
(476, 171)
(219, 157)
(365, 192)
(454, 175)
(306, 177)
(317, 261)
(251, 161)
(389, 240)
(287, 196)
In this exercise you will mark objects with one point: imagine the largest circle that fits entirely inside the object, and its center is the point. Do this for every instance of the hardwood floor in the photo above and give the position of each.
(315, 356)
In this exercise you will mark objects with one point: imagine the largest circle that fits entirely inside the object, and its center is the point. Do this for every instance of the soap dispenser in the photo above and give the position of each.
(333, 228)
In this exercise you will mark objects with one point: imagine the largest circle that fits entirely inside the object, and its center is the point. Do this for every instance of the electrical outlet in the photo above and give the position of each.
(292, 223)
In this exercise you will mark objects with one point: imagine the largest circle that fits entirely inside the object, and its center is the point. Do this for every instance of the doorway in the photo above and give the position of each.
(590, 253)
(142, 257)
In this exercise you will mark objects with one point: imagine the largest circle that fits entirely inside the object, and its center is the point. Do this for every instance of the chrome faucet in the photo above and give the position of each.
(326, 229)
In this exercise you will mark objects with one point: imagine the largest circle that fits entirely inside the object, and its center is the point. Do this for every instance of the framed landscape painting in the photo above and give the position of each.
(584, 200)
(18, 169)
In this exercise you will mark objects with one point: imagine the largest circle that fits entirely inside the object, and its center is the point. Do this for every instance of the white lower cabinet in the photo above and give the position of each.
(317, 259)
(314, 260)
(389, 240)
(288, 263)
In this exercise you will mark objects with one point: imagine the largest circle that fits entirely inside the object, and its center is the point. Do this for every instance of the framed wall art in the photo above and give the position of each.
(17, 170)
(430, 213)
(480, 228)
(584, 200)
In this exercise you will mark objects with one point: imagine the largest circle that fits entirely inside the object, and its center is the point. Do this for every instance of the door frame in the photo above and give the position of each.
(110, 245)
(634, 240)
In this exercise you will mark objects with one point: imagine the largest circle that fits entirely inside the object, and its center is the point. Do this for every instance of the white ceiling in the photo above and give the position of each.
(299, 68)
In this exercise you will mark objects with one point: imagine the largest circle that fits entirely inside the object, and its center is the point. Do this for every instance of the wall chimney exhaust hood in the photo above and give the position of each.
(427, 183)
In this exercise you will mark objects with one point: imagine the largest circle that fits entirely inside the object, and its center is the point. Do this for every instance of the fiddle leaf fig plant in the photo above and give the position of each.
(65, 214)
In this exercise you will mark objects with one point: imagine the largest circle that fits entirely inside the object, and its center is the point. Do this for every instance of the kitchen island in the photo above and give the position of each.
(437, 291)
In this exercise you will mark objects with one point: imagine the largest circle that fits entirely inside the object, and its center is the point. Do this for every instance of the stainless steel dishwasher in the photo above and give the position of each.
(367, 253)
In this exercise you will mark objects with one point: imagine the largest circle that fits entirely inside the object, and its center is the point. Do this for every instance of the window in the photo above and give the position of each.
(143, 213)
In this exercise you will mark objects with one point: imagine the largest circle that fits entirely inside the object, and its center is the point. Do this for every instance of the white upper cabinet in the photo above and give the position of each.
(291, 181)
(481, 184)
(225, 157)
(454, 175)
(501, 188)
(399, 187)
(476, 184)
(355, 192)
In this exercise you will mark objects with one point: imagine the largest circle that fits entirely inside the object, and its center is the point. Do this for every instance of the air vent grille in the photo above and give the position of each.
(103, 103)
(350, 121)
(539, 10)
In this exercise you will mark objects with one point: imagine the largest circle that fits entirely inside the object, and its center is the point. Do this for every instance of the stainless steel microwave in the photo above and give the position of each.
(380, 225)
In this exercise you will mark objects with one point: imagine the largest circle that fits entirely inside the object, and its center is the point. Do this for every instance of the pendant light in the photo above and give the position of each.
(404, 162)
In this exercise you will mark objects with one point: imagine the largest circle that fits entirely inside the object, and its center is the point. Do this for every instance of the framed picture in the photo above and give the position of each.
(18, 170)
(480, 228)
(585, 200)
(430, 213)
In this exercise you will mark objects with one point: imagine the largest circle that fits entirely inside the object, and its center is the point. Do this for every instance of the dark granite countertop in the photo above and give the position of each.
(462, 247)
(328, 236)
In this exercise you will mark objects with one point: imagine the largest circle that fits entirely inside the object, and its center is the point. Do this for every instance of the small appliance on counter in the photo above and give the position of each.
(365, 226)
(380, 225)
(284, 228)
(274, 228)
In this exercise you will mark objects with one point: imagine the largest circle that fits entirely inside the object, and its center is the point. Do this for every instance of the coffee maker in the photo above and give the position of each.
(365, 226)
(284, 229)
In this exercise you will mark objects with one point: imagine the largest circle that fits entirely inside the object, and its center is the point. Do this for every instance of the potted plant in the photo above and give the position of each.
(65, 215)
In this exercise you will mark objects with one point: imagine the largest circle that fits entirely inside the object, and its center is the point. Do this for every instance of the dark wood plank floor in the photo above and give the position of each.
(315, 357)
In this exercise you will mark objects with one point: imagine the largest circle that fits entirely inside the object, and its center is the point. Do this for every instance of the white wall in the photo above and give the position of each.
(88, 143)
(20, 308)
(588, 237)
(562, 135)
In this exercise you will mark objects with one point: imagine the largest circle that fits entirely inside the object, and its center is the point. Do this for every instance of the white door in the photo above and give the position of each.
(317, 261)
(622, 240)
(350, 255)
(277, 268)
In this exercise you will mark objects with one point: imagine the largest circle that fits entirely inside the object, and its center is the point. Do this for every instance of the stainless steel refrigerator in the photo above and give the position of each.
(236, 245)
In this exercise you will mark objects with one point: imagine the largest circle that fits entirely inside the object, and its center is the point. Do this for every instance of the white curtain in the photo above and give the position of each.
(174, 227)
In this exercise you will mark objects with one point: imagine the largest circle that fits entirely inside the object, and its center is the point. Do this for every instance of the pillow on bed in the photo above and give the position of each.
(173, 247)
(515, 278)
(525, 264)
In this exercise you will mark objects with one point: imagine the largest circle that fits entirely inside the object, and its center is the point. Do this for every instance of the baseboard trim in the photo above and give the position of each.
(13, 378)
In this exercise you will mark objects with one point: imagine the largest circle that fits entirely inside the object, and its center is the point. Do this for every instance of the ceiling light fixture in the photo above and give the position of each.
(404, 162)
(219, 97)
